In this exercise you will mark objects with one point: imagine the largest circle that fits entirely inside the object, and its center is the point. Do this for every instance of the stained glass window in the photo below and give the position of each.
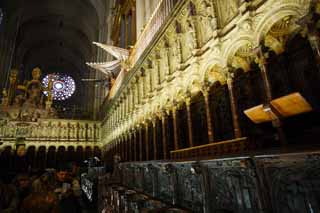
(63, 86)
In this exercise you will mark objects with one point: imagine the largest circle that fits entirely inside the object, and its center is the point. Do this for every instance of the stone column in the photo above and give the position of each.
(175, 128)
(147, 140)
(235, 117)
(135, 145)
(155, 151)
(129, 146)
(164, 136)
(188, 102)
(125, 144)
(122, 146)
(140, 144)
(208, 114)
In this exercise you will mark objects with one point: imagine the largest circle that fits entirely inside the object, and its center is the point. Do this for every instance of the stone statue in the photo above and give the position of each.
(5, 100)
(72, 132)
(227, 10)
(12, 84)
(83, 132)
(90, 132)
(36, 73)
(64, 132)
(97, 132)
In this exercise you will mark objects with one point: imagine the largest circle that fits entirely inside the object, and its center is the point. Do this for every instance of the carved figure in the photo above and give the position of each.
(227, 10)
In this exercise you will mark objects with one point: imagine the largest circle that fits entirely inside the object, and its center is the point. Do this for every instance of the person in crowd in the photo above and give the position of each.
(68, 192)
(8, 196)
(44, 184)
(75, 172)
(38, 202)
(23, 187)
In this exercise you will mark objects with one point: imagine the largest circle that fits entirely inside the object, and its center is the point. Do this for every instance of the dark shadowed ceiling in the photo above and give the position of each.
(56, 35)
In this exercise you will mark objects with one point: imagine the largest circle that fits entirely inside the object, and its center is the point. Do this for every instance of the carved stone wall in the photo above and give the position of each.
(201, 46)
(46, 132)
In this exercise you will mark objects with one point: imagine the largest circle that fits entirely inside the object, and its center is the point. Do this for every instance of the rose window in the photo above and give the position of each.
(63, 86)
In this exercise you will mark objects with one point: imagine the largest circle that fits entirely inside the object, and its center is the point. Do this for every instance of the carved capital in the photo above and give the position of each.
(240, 62)
(277, 45)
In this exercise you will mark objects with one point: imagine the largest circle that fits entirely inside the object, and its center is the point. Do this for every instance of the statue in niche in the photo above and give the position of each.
(207, 21)
(191, 34)
(90, 132)
(97, 133)
(14, 112)
(12, 84)
(83, 132)
(44, 131)
(10, 131)
(72, 131)
(226, 10)
(174, 55)
(53, 129)
(34, 131)
(5, 99)
(58, 130)
(64, 132)
(189, 38)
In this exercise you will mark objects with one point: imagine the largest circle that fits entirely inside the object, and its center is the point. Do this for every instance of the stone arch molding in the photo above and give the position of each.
(194, 85)
(279, 10)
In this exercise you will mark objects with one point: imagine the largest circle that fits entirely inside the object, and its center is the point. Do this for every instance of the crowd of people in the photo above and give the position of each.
(49, 191)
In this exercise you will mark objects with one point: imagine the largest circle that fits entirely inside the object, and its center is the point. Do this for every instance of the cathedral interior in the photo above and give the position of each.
(159, 106)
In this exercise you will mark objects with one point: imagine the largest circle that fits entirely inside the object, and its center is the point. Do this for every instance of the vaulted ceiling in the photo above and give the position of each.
(56, 35)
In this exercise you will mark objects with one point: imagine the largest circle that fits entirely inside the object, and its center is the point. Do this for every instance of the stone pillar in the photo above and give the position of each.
(147, 140)
(135, 145)
(208, 115)
(125, 147)
(129, 146)
(188, 102)
(155, 151)
(140, 144)
(164, 136)
(175, 129)
(235, 117)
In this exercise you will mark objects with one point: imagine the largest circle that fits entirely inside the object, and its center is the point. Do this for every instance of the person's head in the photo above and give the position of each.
(23, 181)
(39, 203)
(62, 175)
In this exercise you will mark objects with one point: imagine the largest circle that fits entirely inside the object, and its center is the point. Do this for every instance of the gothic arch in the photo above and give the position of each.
(280, 10)
(232, 49)
(214, 74)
